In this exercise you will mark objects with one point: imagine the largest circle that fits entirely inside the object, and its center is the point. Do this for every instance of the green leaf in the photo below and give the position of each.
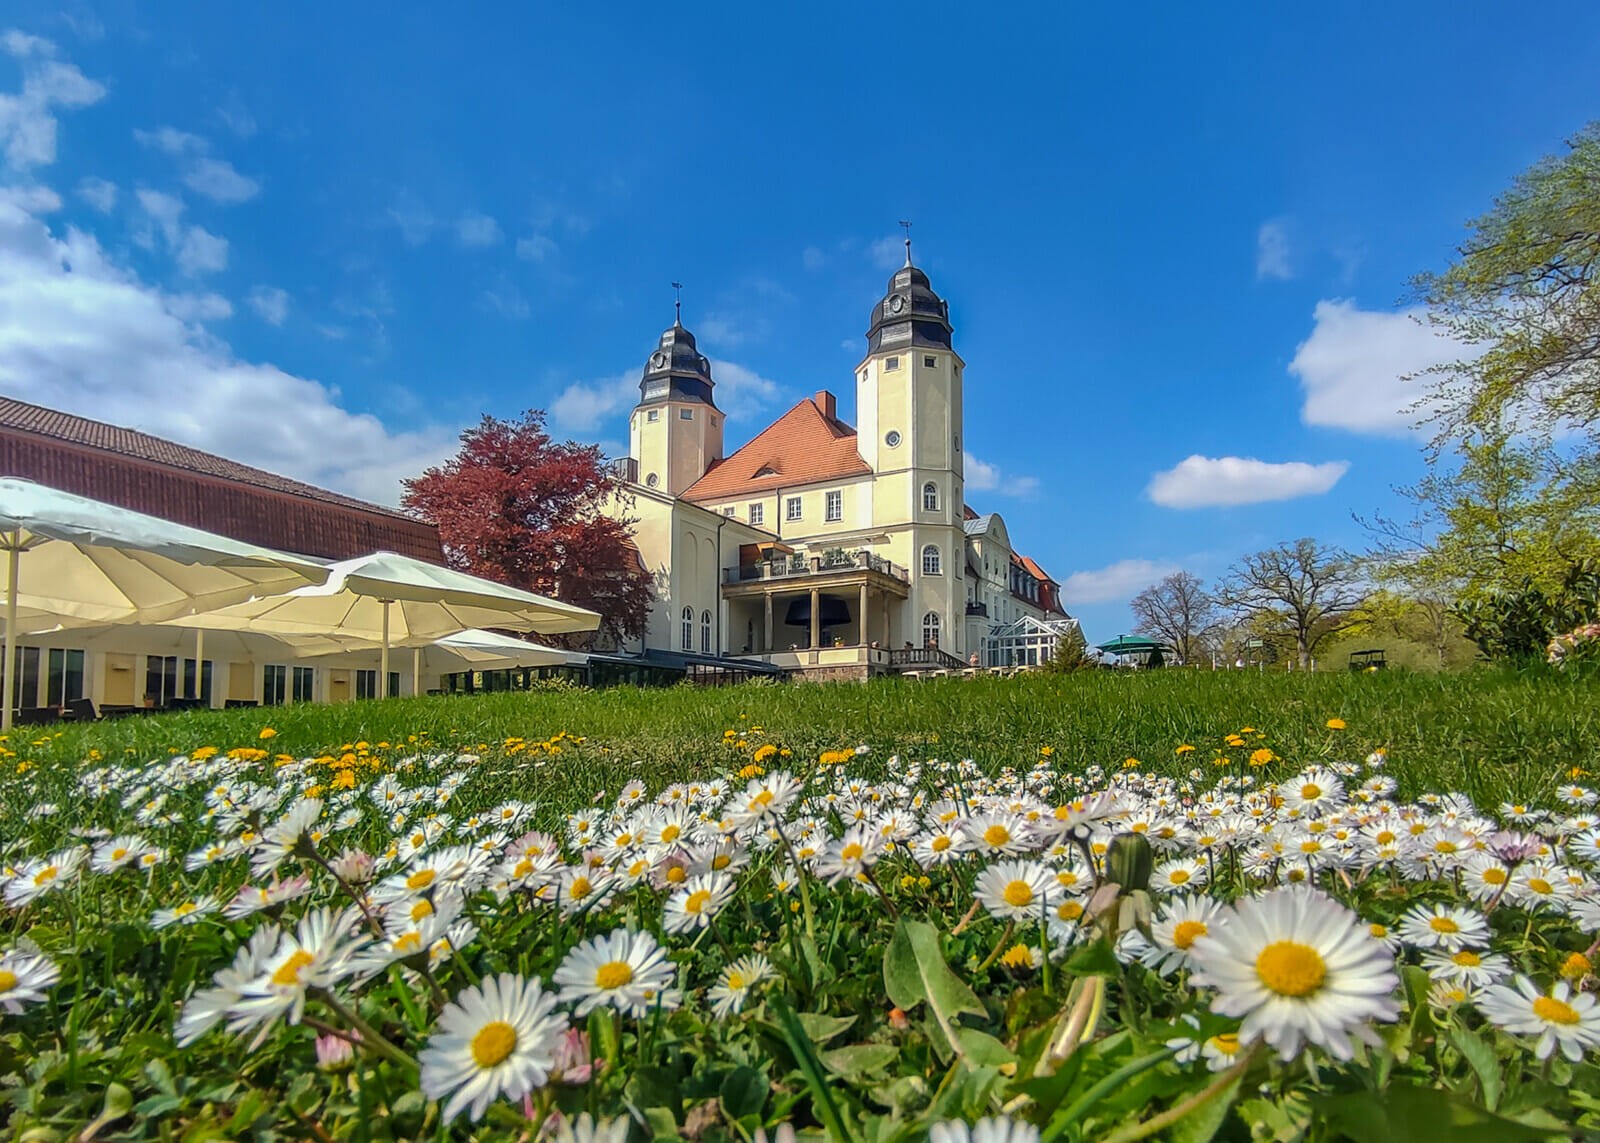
(160, 1077)
(744, 1092)
(1484, 1063)
(822, 1101)
(1093, 959)
(1406, 1113)
(856, 1060)
(914, 971)
(603, 1036)
(823, 1028)
(655, 1087)
(983, 1050)
(1202, 1124)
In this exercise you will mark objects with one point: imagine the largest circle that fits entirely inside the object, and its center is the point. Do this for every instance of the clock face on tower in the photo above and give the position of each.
(658, 360)
(896, 304)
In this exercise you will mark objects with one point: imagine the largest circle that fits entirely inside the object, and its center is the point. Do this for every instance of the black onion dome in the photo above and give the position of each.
(676, 370)
(909, 314)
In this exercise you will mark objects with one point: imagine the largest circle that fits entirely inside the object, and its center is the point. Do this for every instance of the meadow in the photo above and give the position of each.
(1093, 907)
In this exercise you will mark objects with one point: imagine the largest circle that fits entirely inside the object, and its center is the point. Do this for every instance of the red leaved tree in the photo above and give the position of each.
(519, 508)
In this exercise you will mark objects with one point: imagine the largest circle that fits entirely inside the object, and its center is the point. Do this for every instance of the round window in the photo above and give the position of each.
(892, 439)
(652, 480)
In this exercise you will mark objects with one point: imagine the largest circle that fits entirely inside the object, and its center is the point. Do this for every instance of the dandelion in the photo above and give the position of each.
(1562, 1018)
(499, 1040)
(627, 971)
(1016, 890)
(24, 976)
(1299, 968)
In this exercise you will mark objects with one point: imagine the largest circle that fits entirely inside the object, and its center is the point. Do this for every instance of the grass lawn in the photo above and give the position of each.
(1492, 734)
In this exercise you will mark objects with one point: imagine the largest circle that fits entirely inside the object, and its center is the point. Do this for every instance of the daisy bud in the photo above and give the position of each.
(1130, 861)
(334, 1053)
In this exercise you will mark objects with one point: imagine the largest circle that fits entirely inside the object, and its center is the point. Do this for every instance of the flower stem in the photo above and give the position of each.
(1178, 1110)
(1011, 927)
(370, 1036)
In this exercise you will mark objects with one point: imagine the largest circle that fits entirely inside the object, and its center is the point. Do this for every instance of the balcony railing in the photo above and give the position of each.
(798, 567)
(978, 609)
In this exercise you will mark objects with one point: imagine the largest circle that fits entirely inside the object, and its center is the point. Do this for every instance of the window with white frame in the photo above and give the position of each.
(791, 508)
(930, 629)
(834, 507)
(652, 415)
(705, 632)
(686, 414)
(757, 514)
(930, 362)
(930, 560)
(890, 363)
(727, 511)
(688, 629)
(930, 497)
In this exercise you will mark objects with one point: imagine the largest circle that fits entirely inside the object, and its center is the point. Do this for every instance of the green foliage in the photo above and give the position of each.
(1517, 625)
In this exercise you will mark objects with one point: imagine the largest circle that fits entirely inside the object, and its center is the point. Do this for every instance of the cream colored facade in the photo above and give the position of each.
(876, 556)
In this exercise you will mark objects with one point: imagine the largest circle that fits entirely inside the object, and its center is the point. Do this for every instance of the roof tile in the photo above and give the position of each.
(804, 446)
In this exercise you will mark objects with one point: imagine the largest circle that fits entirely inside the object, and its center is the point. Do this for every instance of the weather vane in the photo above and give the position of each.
(677, 304)
(907, 224)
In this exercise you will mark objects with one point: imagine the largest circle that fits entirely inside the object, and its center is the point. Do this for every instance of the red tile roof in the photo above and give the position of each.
(804, 446)
(1036, 571)
(161, 478)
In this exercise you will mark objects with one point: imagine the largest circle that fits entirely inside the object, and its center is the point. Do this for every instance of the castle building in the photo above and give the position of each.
(822, 549)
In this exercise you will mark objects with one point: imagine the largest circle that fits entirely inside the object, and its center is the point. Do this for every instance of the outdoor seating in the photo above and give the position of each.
(239, 704)
(37, 716)
(80, 710)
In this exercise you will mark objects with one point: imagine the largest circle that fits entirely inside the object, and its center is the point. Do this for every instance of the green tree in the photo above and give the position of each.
(1301, 591)
(1524, 295)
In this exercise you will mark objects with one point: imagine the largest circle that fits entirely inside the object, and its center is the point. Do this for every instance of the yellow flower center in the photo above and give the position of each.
(1539, 885)
(940, 844)
(523, 869)
(613, 974)
(1069, 910)
(697, 901)
(420, 910)
(581, 888)
(45, 875)
(493, 1043)
(764, 798)
(677, 874)
(1291, 969)
(1379, 931)
(118, 854)
(184, 909)
(852, 852)
(1550, 1009)
(1443, 925)
(8, 981)
(1227, 1043)
(288, 975)
(1018, 894)
(421, 879)
(997, 835)
(734, 982)
(409, 943)
(1444, 847)
(670, 834)
(1575, 966)
(1311, 791)
(1466, 958)
(1178, 876)
(1185, 933)
(1494, 876)
(721, 861)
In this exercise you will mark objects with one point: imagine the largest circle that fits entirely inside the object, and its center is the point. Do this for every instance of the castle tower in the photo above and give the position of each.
(908, 413)
(675, 432)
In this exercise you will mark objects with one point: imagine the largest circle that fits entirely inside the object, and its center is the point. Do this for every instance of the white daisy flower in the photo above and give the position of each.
(1561, 1019)
(1174, 930)
(627, 971)
(185, 913)
(585, 1129)
(734, 983)
(24, 976)
(1221, 1051)
(999, 1129)
(1299, 968)
(1447, 927)
(693, 906)
(1016, 890)
(1467, 967)
(496, 1041)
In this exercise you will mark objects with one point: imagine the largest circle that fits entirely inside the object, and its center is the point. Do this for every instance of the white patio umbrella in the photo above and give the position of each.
(473, 650)
(393, 600)
(72, 561)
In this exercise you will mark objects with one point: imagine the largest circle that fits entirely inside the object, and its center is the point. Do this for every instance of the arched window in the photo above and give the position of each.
(705, 632)
(930, 497)
(930, 629)
(688, 629)
(930, 560)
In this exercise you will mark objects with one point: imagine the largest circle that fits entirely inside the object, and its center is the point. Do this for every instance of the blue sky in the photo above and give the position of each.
(1175, 242)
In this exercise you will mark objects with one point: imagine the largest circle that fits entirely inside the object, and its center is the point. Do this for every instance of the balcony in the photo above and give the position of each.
(827, 564)
(978, 609)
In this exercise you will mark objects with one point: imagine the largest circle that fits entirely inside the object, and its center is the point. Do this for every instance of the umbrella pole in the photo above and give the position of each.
(7, 683)
(416, 671)
(200, 662)
(383, 659)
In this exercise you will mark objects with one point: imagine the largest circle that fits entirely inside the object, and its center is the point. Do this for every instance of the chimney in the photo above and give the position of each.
(824, 401)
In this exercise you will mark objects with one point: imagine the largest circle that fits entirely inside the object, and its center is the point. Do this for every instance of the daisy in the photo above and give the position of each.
(1221, 1052)
(23, 978)
(938, 846)
(1467, 967)
(186, 913)
(1443, 927)
(497, 1040)
(733, 986)
(1180, 875)
(317, 954)
(1484, 878)
(1535, 887)
(1182, 921)
(43, 875)
(851, 855)
(1016, 890)
(700, 899)
(587, 1130)
(583, 889)
(1315, 792)
(628, 971)
(1562, 1019)
(998, 834)
(999, 1129)
(117, 853)
(1298, 967)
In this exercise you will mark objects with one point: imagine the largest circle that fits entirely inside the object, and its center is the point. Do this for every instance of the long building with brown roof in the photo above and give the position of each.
(162, 478)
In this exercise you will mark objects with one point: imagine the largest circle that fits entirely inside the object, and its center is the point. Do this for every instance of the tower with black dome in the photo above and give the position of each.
(675, 431)
(908, 413)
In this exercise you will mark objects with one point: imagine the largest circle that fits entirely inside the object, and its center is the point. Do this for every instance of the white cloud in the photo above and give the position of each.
(984, 477)
(412, 219)
(81, 333)
(165, 210)
(270, 303)
(1212, 482)
(888, 253)
(236, 116)
(170, 141)
(1353, 367)
(582, 406)
(741, 392)
(98, 193)
(477, 230)
(535, 248)
(1272, 251)
(28, 117)
(202, 252)
(812, 258)
(217, 180)
(507, 301)
(1121, 580)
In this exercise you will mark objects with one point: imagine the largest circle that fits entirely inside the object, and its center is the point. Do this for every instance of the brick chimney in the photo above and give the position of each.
(824, 401)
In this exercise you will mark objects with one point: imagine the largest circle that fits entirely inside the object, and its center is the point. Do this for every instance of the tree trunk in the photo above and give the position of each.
(1303, 651)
